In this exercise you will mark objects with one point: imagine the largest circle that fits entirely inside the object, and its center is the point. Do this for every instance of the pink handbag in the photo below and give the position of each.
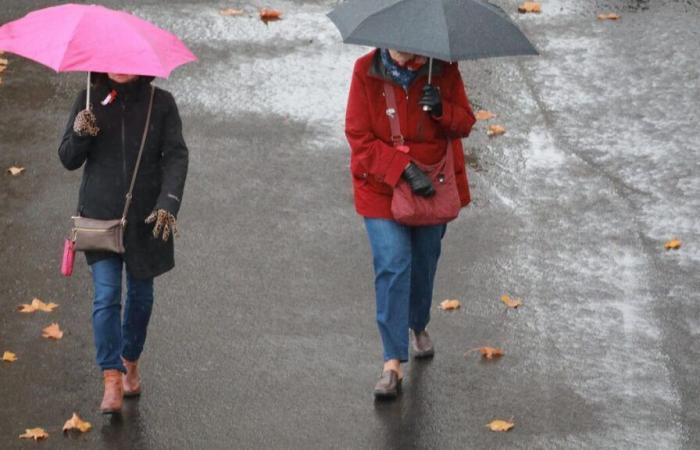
(68, 258)
(413, 210)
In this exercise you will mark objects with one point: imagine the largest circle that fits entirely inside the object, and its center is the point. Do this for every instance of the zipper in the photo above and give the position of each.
(123, 144)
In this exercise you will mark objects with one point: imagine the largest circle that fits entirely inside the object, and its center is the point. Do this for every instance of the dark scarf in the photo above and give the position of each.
(403, 76)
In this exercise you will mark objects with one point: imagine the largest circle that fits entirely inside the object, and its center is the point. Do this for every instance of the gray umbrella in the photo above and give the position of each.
(452, 30)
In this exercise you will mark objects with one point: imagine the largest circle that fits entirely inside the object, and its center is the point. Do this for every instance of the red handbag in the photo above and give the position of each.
(413, 210)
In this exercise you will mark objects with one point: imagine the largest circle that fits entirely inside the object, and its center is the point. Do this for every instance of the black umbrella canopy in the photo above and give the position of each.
(452, 30)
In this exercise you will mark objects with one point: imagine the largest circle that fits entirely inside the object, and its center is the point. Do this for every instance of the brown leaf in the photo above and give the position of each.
(484, 115)
(496, 130)
(37, 305)
(270, 15)
(449, 305)
(9, 357)
(2, 68)
(76, 423)
(4, 62)
(609, 16)
(673, 244)
(53, 331)
(491, 352)
(530, 7)
(501, 425)
(231, 12)
(34, 433)
(15, 170)
(512, 303)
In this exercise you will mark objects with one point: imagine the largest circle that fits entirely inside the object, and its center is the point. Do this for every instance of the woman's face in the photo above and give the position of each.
(401, 57)
(121, 78)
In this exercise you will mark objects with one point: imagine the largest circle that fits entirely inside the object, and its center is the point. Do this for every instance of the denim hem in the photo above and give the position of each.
(121, 368)
(402, 359)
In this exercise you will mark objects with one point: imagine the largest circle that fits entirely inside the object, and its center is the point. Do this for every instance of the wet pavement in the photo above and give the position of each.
(264, 337)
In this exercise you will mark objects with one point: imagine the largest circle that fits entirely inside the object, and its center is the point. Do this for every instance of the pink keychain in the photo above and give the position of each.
(68, 258)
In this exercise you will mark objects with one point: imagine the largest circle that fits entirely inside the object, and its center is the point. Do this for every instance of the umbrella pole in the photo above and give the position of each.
(427, 108)
(87, 99)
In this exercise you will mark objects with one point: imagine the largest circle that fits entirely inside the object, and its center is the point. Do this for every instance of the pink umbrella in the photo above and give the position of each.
(91, 38)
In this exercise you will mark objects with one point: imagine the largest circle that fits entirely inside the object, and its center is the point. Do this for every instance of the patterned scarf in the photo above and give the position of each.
(401, 75)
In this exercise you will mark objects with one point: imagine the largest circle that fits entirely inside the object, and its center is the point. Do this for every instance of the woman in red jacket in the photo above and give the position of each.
(405, 258)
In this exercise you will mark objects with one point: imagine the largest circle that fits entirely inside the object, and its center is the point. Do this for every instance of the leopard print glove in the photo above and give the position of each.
(164, 222)
(85, 124)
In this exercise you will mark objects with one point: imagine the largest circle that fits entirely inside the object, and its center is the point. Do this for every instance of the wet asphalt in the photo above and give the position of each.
(263, 336)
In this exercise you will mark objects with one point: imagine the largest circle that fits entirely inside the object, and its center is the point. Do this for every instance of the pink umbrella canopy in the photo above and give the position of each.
(92, 38)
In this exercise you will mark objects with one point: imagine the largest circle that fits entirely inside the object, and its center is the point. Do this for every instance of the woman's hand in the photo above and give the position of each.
(432, 100)
(164, 222)
(419, 182)
(85, 124)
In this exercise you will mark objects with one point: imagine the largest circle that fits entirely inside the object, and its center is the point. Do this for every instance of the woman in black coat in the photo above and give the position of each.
(106, 141)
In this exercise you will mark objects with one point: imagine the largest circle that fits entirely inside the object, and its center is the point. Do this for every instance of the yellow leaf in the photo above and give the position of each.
(530, 7)
(9, 357)
(76, 423)
(37, 305)
(484, 115)
(449, 305)
(496, 130)
(501, 425)
(673, 244)
(609, 16)
(510, 302)
(34, 433)
(491, 352)
(15, 170)
(53, 331)
(270, 15)
(231, 12)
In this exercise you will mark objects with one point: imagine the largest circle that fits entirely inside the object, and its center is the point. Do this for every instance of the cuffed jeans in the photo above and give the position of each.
(405, 262)
(116, 337)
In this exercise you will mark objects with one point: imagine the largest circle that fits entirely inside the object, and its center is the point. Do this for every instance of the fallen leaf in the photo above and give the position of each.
(9, 357)
(491, 352)
(609, 16)
(34, 433)
(510, 302)
(500, 425)
(673, 244)
(76, 423)
(37, 305)
(2, 68)
(15, 170)
(270, 15)
(449, 305)
(231, 12)
(496, 130)
(484, 115)
(530, 7)
(4, 62)
(53, 331)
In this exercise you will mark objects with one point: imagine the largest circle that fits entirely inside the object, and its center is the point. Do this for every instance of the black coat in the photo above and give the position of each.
(109, 160)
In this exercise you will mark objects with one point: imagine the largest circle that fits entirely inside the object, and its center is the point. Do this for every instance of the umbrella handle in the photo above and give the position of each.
(427, 108)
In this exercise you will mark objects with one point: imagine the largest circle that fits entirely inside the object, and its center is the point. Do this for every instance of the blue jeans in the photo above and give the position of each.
(405, 262)
(115, 337)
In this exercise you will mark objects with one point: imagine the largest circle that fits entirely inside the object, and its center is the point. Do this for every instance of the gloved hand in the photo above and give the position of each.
(85, 124)
(431, 99)
(164, 222)
(419, 182)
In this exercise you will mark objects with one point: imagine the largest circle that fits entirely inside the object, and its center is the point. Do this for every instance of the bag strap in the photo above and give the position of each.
(138, 159)
(392, 113)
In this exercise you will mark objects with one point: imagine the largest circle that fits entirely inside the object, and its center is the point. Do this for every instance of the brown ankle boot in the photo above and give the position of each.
(132, 379)
(114, 392)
